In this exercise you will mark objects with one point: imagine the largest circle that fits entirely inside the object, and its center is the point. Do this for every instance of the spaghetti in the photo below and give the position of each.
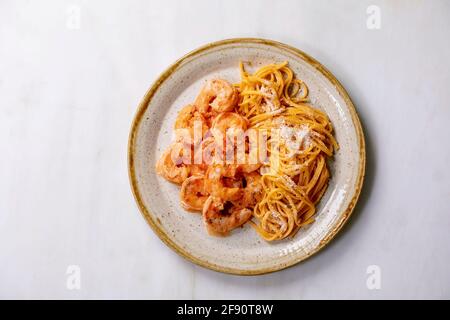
(300, 140)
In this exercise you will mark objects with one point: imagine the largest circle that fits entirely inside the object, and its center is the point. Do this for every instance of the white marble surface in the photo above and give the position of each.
(67, 98)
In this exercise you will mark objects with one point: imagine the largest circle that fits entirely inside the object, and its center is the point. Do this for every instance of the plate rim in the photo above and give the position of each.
(144, 104)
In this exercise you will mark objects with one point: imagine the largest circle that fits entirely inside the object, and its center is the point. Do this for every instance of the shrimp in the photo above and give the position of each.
(193, 194)
(251, 159)
(175, 172)
(197, 169)
(188, 118)
(208, 153)
(218, 94)
(220, 216)
(248, 167)
(252, 191)
(227, 121)
(228, 129)
(220, 182)
(173, 168)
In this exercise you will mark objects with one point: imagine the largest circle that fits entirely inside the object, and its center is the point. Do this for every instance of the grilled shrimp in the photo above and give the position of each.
(197, 169)
(228, 128)
(249, 167)
(175, 172)
(217, 94)
(193, 194)
(220, 182)
(208, 153)
(187, 118)
(226, 121)
(220, 217)
(252, 191)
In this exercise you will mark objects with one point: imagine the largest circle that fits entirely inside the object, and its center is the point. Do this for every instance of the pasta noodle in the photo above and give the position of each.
(294, 180)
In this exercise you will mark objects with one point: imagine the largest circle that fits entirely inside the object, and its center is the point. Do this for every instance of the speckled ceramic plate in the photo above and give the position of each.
(243, 252)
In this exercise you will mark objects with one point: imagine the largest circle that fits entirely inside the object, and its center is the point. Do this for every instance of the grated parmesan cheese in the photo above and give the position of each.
(270, 99)
(288, 182)
(277, 217)
(296, 138)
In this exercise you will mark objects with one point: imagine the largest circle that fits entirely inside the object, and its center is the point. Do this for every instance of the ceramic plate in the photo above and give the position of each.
(243, 252)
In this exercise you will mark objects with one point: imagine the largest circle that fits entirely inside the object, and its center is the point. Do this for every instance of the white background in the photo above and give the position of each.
(68, 96)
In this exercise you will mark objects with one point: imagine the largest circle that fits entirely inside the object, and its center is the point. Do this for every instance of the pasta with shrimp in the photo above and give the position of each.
(255, 151)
